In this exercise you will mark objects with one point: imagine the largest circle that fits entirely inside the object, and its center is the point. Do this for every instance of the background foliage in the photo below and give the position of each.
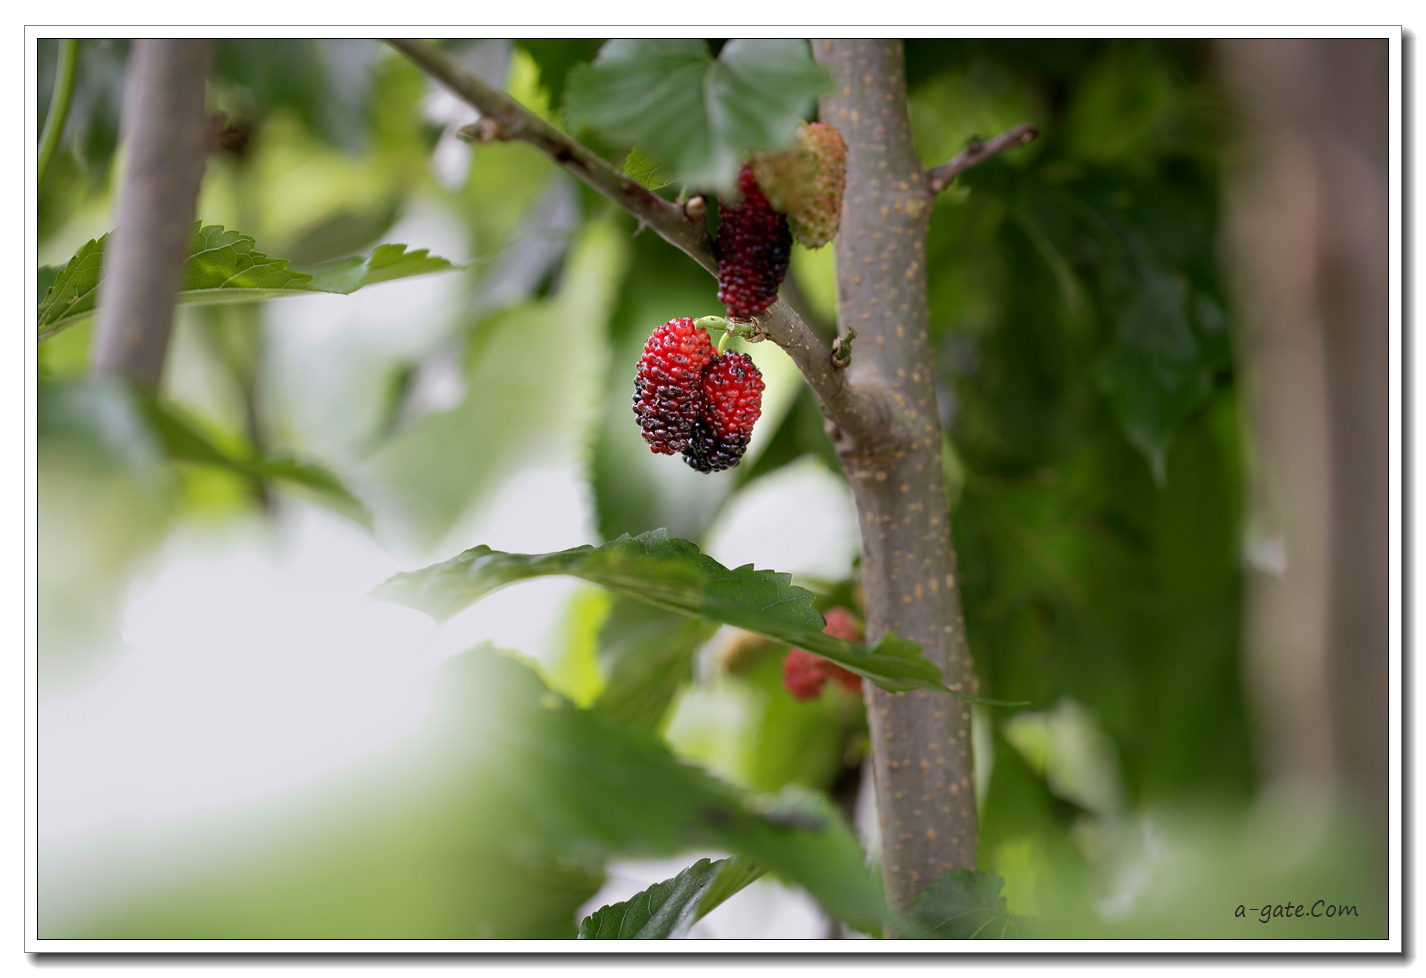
(1085, 377)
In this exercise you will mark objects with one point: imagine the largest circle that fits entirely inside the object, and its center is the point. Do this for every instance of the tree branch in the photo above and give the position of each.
(862, 416)
(167, 142)
(940, 177)
(504, 119)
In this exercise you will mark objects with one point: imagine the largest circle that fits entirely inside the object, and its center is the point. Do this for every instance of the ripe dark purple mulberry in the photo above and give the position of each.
(732, 401)
(754, 246)
(668, 385)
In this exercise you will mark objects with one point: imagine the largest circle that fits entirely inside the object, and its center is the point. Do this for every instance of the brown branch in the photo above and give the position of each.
(166, 135)
(504, 119)
(940, 177)
(863, 416)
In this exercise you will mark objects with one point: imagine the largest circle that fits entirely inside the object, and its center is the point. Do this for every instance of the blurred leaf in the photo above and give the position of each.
(961, 905)
(699, 115)
(517, 407)
(327, 82)
(223, 266)
(575, 673)
(579, 775)
(645, 169)
(1067, 747)
(1155, 372)
(647, 652)
(555, 56)
(183, 442)
(665, 911)
(487, 823)
(387, 262)
(669, 574)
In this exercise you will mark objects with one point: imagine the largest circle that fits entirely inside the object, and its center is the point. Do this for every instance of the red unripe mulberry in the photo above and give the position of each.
(804, 674)
(668, 385)
(754, 246)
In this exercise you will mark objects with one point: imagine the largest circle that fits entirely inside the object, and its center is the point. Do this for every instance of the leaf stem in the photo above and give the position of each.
(59, 105)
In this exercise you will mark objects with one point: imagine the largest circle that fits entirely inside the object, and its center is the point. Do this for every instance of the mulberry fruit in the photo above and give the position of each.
(806, 182)
(804, 674)
(668, 385)
(754, 245)
(732, 401)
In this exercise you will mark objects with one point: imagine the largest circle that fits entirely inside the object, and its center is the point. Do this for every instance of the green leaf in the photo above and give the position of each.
(646, 653)
(182, 441)
(44, 279)
(387, 262)
(666, 910)
(580, 777)
(1155, 372)
(223, 266)
(555, 56)
(673, 575)
(699, 115)
(645, 169)
(961, 905)
(71, 296)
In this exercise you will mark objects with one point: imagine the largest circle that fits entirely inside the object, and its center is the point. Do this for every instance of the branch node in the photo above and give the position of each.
(842, 350)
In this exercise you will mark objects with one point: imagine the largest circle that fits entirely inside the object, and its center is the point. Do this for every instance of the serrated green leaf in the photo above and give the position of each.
(666, 910)
(223, 266)
(963, 904)
(387, 262)
(699, 115)
(71, 297)
(220, 261)
(673, 575)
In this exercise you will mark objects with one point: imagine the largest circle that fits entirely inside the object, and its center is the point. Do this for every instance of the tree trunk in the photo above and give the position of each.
(166, 139)
(1308, 218)
(921, 745)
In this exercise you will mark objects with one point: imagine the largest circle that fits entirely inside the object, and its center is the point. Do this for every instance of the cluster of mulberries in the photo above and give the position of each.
(690, 399)
(804, 674)
(806, 182)
(754, 246)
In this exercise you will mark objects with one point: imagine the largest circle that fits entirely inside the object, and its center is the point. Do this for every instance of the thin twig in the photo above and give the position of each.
(505, 119)
(59, 105)
(864, 417)
(978, 152)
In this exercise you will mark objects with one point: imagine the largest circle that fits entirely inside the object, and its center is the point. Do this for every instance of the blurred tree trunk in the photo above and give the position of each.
(166, 141)
(1308, 228)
